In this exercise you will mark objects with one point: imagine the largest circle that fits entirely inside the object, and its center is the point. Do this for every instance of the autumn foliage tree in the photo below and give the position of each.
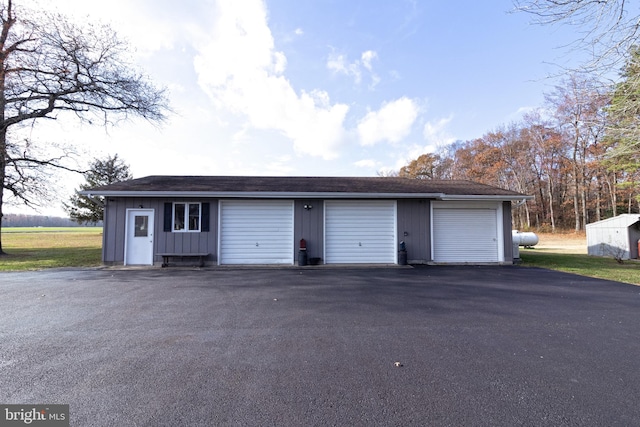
(427, 166)
(559, 154)
(51, 67)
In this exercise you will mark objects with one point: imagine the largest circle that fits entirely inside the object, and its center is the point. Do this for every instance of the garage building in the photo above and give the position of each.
(342, 220)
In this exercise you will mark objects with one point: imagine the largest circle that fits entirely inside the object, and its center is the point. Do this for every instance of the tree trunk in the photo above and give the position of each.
(551, 213)
(584, 183)
(3, 128)
(3, 166)
(576, 211)
(583, 200)
(614, 195)
(599, 200)
(576, 183)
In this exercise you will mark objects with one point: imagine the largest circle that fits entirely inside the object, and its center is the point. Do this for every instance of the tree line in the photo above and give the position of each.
(577, 155)
(23, 220)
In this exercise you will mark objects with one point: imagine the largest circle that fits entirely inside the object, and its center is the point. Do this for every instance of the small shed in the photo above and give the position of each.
(614, 237)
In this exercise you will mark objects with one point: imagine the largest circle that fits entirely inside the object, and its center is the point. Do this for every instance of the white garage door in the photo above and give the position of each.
(466, 235)
(360, 232)
(256, 232)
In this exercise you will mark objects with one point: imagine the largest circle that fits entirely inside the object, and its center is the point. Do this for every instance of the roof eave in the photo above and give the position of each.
(299, 195)
(259, 194)
(471, 197)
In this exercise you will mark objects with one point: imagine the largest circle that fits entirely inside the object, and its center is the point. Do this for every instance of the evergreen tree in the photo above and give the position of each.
(623, 132)
(85, 210)
(624, 111)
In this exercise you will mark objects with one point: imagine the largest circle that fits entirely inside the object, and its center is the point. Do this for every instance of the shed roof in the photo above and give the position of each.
(619, 221)
(280, 187)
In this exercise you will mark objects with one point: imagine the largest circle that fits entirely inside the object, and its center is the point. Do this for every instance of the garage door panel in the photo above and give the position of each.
(256, 232)
(465, 235)
(360, 232)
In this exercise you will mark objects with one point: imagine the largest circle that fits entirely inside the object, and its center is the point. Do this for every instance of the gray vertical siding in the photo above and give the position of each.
(413, 217)
(634, 236)
(309, 225)
(508, 238)
(110, 231)
(414, 220)
(115, 227)
(115, 230)
(204, 241)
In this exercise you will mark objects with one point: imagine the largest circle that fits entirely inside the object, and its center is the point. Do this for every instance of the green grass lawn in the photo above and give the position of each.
(585, 265)
(35, 248)
(42, 247)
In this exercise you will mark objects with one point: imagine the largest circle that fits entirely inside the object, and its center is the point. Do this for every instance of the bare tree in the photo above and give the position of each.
(578, 105)
(50, 67)
(607, 29)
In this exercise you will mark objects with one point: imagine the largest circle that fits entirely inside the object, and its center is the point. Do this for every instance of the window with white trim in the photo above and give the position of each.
(186, 217)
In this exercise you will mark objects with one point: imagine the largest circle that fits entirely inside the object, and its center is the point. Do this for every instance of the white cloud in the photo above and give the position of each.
(151, 24)
(436, 133)
(239, 68)
(395, 75)
(298, 31)
(391, 123)
(279, 166)
(339, 64)
(367, 57)
(366, 163)
(412, 152)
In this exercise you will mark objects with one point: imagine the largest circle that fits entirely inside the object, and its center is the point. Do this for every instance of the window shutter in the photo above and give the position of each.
(204, 225)
(168, 207)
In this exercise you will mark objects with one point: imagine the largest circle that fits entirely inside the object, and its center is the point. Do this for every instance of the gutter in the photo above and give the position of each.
(520, 198)
(298, 195)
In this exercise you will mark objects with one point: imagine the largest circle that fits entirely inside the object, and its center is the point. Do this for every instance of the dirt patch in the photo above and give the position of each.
(567, 243)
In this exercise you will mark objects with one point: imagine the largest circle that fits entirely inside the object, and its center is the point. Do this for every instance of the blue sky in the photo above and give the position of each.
(311, 87)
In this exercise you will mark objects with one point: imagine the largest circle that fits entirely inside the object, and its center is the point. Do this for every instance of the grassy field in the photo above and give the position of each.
(568, 252)
(41, 247)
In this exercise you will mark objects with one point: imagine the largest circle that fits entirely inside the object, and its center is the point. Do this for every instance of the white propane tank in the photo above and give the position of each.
(524, 238)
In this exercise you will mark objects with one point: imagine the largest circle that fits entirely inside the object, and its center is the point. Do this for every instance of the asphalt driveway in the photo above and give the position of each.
(480, 346)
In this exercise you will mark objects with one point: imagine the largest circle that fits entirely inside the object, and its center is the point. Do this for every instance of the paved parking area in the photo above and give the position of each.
(482, 346)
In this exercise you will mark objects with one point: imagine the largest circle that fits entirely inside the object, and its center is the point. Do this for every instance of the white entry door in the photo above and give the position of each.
(138, 244)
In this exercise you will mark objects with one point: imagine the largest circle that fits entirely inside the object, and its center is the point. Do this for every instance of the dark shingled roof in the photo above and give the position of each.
(295, 184)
